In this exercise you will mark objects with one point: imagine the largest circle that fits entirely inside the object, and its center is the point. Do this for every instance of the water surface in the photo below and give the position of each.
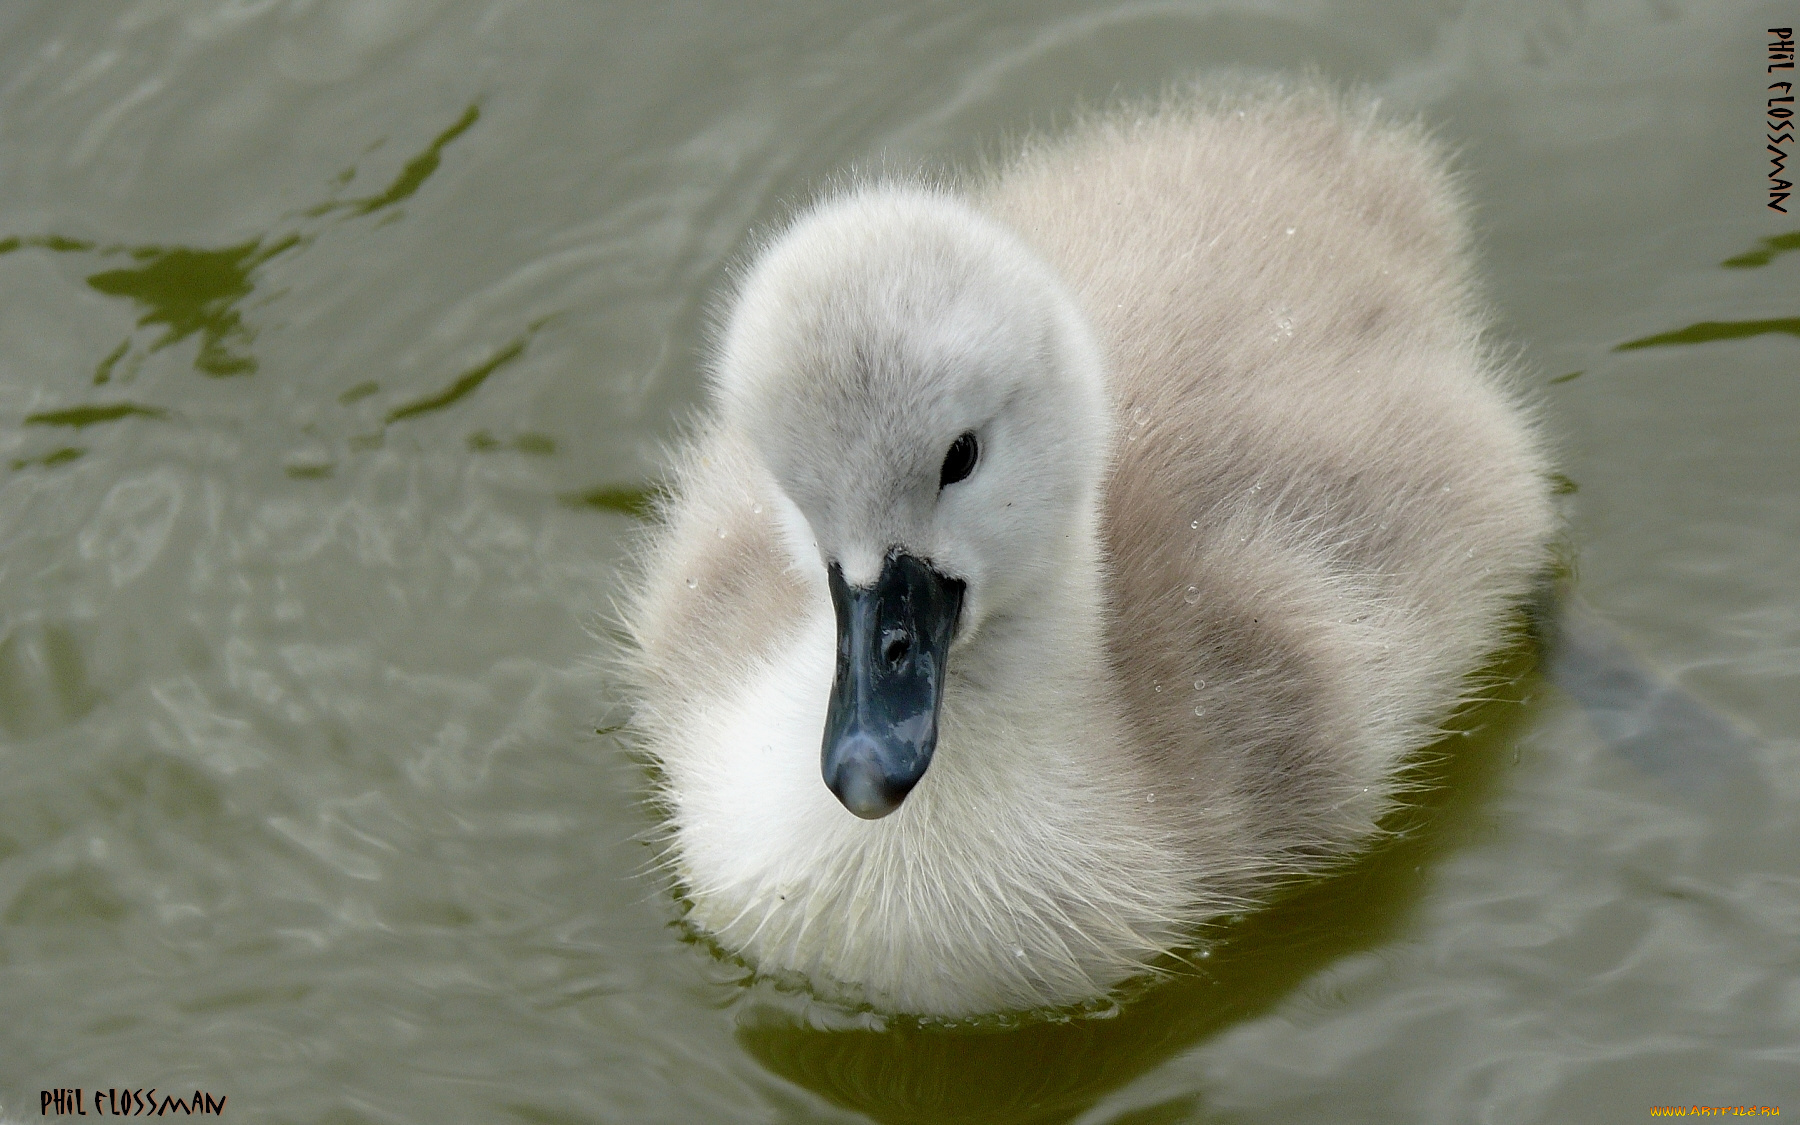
(338, 340)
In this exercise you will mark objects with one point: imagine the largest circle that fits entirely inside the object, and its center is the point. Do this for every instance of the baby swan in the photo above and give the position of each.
(1064, 561)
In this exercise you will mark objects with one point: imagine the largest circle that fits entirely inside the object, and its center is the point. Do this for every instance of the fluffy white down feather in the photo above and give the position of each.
(1252, 502)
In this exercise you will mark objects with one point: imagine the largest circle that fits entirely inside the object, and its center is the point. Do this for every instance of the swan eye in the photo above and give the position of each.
(960, 461)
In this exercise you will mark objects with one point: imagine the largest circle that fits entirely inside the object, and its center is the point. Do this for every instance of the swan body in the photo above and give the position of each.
(1250, 503)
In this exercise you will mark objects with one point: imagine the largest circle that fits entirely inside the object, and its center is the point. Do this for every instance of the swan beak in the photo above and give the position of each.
(892, 640)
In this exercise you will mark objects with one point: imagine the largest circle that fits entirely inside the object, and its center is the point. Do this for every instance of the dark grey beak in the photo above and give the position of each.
(892, 640)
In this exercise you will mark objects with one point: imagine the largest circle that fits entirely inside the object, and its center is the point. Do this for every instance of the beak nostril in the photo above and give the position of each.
(881, 722)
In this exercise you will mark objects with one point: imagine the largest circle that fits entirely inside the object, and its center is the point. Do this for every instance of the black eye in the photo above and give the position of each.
(960, 461)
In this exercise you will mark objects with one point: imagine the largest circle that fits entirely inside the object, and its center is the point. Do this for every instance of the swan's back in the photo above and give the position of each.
(1325, 498)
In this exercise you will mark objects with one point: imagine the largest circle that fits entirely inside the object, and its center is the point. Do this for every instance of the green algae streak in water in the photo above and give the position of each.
(411, 177)
(1708, 331)
(463, 385)
(80, 416)
(1767, 250)
(638, 502)
(189, 291)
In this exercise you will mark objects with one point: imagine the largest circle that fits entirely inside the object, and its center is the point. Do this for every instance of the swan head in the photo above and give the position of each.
(928, 396)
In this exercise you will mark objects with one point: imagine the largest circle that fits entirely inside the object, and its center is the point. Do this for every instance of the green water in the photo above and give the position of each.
(338, 340)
